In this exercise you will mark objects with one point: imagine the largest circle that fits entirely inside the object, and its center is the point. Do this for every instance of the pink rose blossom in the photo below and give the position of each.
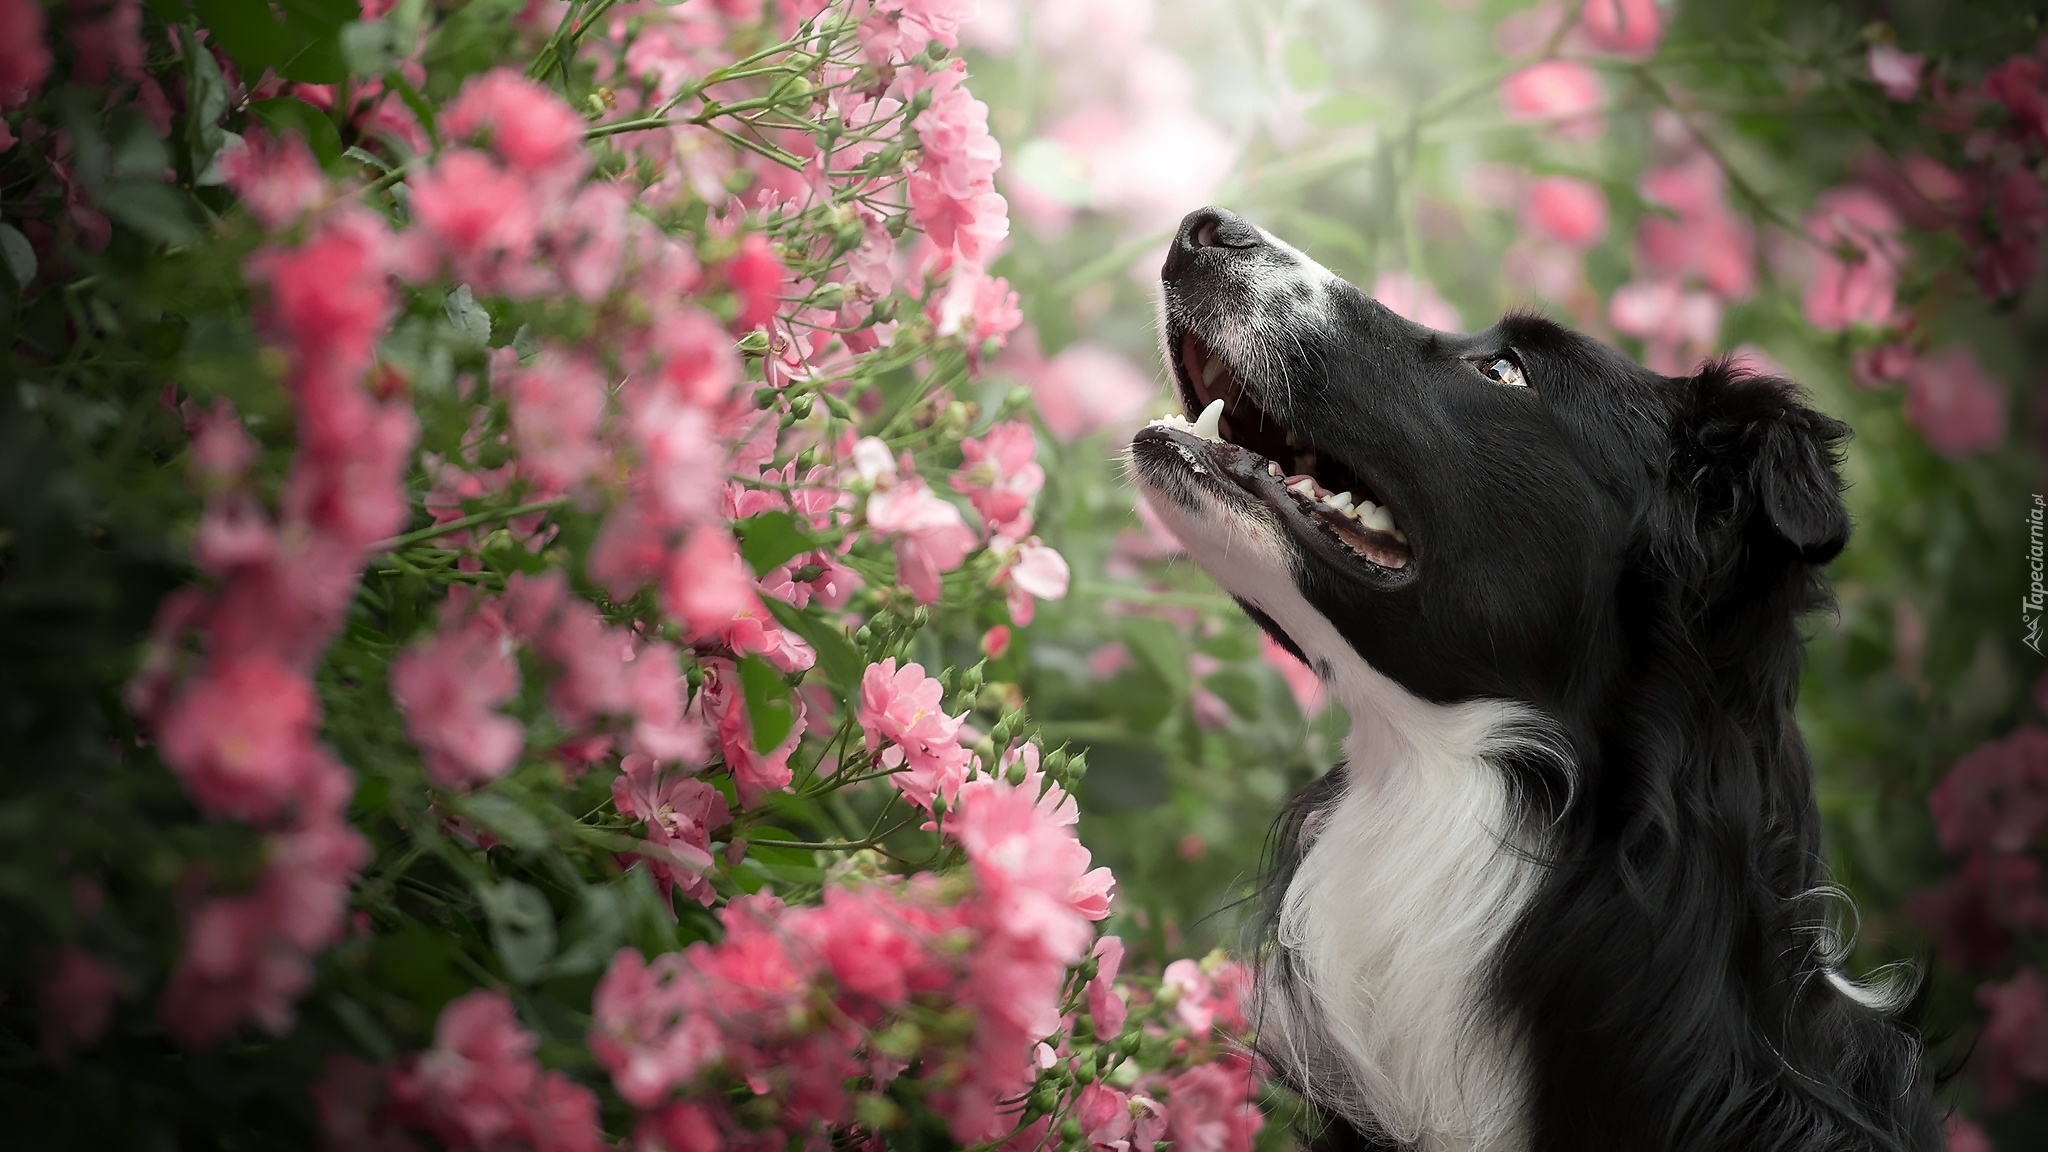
(995, 642)
(999, 476)
(529, 125)
(76, 997)
(681, 813)
(1416, 300)
(480, 217)
(1959, 407)
(758, 277)
(1962, 1136)
(1209, 1109)
(980, 306)
(480, 1086)
(1035, 571)
(1560, 91)
(449, 686)
(1856, 272)
(952, 187)
(274, 176)
(906, 709)
(24, 57)
(705, 583)
(1630, 27)
(1567, 210)
(238, 735)
(589, 241)
(754, 773)
(931, 536)
(1675, 325)
(1884, 364)
(648, 1027)
(556, 405)
(2015, 1041)
(1107, 1009)
(1898, 73)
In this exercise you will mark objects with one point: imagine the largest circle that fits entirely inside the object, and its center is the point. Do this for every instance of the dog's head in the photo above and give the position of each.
(1462, 511)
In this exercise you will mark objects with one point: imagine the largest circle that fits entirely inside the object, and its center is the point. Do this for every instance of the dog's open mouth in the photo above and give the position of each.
(1285, 470)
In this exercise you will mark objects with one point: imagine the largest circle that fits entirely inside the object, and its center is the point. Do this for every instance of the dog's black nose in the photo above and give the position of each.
(1208, 228)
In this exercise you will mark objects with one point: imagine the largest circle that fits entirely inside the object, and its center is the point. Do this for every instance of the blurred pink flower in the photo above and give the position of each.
(1105, 1117)
(981, 306)
(1959, 407)
(1627, 26)
(1884, 364)
(1856, 272)
(996, 641)
(1898, 73)
(952, 187)
(2015, 1040)
(1560, 91)
(556, 404)
(237, 736)
(1210, 1109)
(480, 1086)
(274, 176)
(1110, 659)
(1087, 388)
(647, 1025)
(1034, 570)
(480, 217)
(589, 239)
(24, 57)
(1302, 682)
(1995, 797)
(2019, 85)
(76, 998)
(705, 583)
(1674, 325)
(1416, 300)
(1962, 1136)
(529, 125)
(1566, 209)
(999, 476)
(449, 686)
(1706, 240)
(931, 536)
(757, 276)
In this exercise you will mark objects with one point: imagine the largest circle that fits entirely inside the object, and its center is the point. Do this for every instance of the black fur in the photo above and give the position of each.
(1631, 554)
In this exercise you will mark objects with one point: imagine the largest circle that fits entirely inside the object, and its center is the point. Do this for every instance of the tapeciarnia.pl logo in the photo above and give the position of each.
(2037, 595)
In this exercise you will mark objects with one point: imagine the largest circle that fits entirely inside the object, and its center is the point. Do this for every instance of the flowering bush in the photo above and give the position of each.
(581, 422)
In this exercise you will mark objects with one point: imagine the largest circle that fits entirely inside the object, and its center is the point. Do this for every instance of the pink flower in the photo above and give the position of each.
(999, 476)
(1960, 1135)
(906, 709)
(221, 449)
(1107, 1009)
(705, 583)
(556, 405)
(754, 773)
(655, 692)
(931, 536)
(449, 686)
(480, 217)
(1884, 364)
(1209, 1110)
(1033, 571)
(757, 276)
(952, 186)
(1555, 90)
(589, 241)
(530, 126)
(1416, 300)
(330, 298)
(239, 735)
(648, 1027)
(1626, 26)
(1705, 240)
(2018, 84)
(977, 306)
(24, 57)
(1302, 682)
(1898, 73)
(996, 641)
(479, 1086)
(275, 176)
(1567, 210)
(76, 996)
(681, 813)
(1673, 324)
(2015, 1036)
(1105, 1117)
(1959, 407)
(1996, 796)
(1087, 388)
(1032, 869)
(871, 945)
(1855, 274)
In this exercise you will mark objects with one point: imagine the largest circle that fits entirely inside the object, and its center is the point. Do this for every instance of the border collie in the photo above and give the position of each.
(1566, 893)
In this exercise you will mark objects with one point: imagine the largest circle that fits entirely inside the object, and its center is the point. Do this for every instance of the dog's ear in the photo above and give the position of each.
(1762, 463)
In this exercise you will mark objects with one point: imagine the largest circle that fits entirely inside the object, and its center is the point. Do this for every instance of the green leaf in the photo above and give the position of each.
(18, 254)
(838, 659)
(299, 39)
(367, 47)
(156, 210)
(206, 99)
(1159, 645)
(506, 818)
(1343, 108)
(471, 322)
(290, 116)
(770, 539)
(522, 927)
(1305, 66)
(595, 932)
(767, 699)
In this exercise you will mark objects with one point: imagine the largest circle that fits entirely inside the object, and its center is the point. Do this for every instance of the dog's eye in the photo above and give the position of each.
(1505, 370)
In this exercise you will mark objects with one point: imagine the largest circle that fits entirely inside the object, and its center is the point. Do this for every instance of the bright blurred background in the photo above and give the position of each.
(1849, 193)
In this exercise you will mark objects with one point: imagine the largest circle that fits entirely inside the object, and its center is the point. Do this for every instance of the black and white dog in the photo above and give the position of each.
(1566, 894)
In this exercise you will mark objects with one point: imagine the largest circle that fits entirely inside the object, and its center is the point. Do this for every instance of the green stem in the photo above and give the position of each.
(410, 538)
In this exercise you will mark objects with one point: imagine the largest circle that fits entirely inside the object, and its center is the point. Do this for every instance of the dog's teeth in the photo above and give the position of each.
(1341, 502)
(1304, 488)
(1377, 518)
(1212, 370)
(1207, 425)
(1273, 469)
(1400, 535)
